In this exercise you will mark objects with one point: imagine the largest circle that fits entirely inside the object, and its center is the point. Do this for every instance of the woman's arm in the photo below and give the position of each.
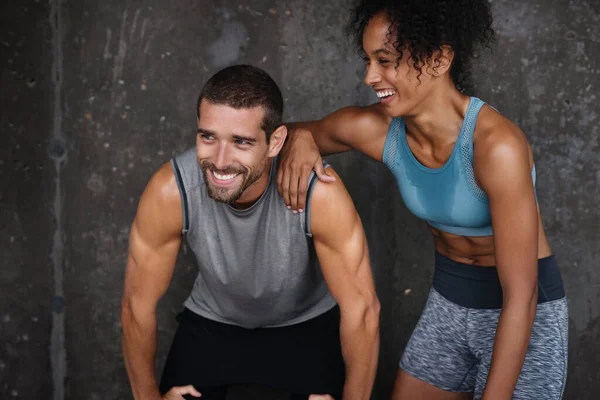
(351, 128)
(503, 169)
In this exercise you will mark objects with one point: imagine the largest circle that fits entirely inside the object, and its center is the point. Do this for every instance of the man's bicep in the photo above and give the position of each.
(150, 267)
(154, 240)
(340, 241)
(341, 251)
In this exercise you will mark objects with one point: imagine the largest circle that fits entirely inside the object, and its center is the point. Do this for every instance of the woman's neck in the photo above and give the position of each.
(439, 118)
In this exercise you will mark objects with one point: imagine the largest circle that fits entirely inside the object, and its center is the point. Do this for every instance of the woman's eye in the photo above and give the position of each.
(382, 61)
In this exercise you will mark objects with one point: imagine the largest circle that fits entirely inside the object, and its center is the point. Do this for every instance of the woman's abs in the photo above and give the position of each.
(478, 250)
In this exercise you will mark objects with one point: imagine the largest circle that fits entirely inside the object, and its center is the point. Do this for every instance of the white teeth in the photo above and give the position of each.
(224, 177)
(385, 93)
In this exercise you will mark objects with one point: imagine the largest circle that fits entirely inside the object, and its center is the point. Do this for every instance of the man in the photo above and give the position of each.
(263, 308)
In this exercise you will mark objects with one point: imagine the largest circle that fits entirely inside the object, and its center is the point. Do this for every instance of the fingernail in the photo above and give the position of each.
(289, 208)
(295, 212)
(300, 210)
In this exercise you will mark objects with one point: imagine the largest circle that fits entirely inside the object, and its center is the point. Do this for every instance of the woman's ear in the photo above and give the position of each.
(441, 61)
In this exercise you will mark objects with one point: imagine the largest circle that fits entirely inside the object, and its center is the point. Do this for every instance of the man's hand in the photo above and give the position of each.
(177, 392)
(298, 157)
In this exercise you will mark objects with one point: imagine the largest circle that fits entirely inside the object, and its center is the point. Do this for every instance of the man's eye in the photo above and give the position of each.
(241, 142)
(383, 61)
(206, 136)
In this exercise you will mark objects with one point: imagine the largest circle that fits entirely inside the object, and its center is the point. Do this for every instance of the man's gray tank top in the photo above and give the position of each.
(258, 266)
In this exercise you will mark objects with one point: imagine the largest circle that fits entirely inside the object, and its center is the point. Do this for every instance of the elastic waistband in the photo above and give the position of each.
(479, 287)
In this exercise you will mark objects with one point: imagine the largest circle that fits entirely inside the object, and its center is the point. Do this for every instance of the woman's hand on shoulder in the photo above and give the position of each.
(350, 128)
(297, 159)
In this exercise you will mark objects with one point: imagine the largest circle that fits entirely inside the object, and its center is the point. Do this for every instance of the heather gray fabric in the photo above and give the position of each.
(257, 267)
(451, 348)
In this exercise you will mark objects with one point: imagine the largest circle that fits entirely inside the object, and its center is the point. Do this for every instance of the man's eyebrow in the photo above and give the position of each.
(244, 138)
(206, 131)
(235, 135)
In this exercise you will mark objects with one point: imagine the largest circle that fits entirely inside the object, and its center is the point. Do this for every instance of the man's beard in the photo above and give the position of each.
(230, 195)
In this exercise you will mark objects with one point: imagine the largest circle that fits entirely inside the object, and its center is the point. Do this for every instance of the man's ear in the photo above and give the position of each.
(277, 140)
(441, 61)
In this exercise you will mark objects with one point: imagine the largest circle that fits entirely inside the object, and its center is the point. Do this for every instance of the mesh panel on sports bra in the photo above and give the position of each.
(466, 150)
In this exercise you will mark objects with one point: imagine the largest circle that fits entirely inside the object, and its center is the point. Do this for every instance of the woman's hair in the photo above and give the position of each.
(422, 27)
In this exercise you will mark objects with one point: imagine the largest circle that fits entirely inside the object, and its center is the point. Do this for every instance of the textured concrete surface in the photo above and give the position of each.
(96, 95)
(28, 222)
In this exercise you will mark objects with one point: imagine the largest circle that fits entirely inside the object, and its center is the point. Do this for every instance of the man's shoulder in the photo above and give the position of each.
(333, 216)
(159, 210)
(322, 191)
(313, 179)
(329, 201)
(162, 187)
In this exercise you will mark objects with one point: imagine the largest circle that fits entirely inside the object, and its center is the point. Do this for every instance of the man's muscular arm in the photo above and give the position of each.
(154, 242)
(343, 254)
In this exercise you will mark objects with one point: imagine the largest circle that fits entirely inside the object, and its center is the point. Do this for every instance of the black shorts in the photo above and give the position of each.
(302, 359)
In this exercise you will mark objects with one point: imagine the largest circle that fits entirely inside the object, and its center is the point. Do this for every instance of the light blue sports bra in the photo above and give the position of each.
(448, 198)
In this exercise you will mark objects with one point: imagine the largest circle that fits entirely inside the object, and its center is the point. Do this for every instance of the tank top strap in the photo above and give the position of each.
(312, 181)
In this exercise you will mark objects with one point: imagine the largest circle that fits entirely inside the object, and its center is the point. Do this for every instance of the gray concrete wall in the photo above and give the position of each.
(96, 95)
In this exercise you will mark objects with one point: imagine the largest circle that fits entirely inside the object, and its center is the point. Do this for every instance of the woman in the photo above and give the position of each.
(495, 323)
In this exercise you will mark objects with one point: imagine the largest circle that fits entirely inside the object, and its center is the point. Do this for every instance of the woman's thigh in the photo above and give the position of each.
(437, 352)
(407, 387)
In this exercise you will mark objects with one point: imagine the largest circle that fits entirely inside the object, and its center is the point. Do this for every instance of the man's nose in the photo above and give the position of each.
(223, 157)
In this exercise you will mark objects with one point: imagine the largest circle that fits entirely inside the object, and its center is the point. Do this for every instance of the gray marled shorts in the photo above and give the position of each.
(451, 348)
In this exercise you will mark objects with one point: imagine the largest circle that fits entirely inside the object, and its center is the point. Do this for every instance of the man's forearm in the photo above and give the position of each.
(510, 347)
(360, 348)
(139, 348)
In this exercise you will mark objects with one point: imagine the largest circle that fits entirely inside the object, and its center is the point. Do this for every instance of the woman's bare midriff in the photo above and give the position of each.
(478, 250)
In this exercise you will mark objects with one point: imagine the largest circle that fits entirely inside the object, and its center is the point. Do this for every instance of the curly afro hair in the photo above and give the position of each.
(422, 27)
